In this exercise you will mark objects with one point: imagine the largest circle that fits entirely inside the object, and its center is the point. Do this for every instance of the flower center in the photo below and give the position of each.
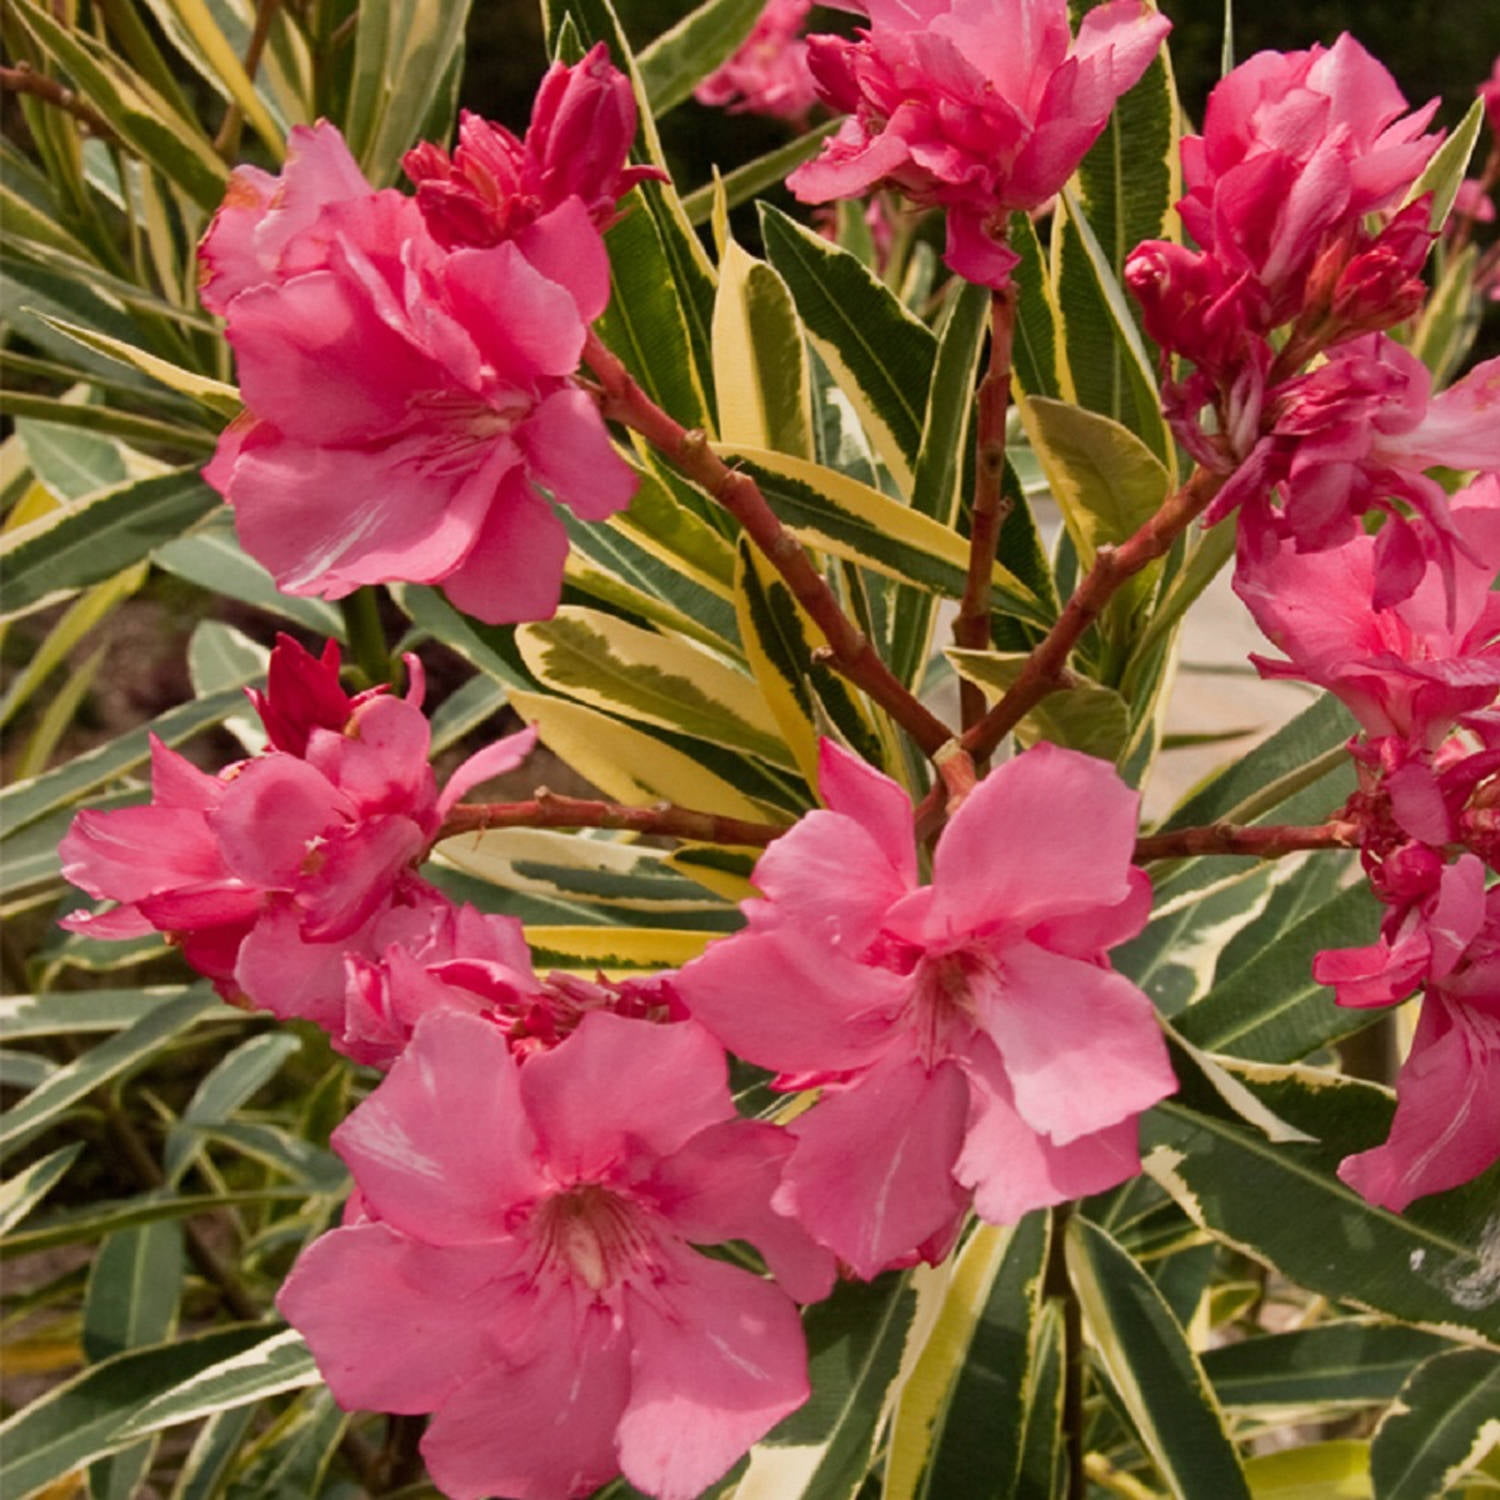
(593, 1236)
(942, 1009)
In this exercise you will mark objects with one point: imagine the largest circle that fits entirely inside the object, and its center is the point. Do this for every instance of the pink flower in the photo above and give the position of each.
(980, 107)
(1410, 669)
(968, 1036)
(769, 74)
(269, 872)
(1472, 202)
(494, 186)
(407, 407)
(1355, 435)
(1447, 1124)
(480, 964)
(1297, 148)
(523, 1267)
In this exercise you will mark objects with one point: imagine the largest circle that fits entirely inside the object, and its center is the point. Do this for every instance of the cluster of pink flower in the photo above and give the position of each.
(543, 1153)
(408, 364)
(1296, 196)
(1422, 678)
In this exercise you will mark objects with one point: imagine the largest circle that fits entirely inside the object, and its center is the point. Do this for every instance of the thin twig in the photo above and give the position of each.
(971, 628)
(549, 810)
(1045, 670)
(23, 79)
(1269, 841)
(849, 650)
(227, 142)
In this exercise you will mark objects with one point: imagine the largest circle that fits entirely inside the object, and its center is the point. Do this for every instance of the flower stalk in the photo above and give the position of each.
(548, 809)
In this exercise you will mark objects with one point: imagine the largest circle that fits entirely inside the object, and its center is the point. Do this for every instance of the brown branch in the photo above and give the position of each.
(1046, 669)
(849, 651)
(549, 810)
(22, 79)
(1269, 841)
(971, 628)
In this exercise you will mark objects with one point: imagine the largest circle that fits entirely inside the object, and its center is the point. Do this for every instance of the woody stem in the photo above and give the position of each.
(549, 810)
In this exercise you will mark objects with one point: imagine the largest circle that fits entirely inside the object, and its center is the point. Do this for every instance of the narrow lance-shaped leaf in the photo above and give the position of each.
(683, 56)
(1446, 1418)
(1153, 1369)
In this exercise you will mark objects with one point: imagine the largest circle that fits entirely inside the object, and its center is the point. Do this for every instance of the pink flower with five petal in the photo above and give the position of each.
(969, 1036)
(523, 1268)
(980, 107)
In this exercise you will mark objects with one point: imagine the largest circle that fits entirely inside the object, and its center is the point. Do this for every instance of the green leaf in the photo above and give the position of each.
(971, 1382)
(1153, 1369)
(83, 1011)
(281, 1362)
(655, 679)
(71, 464)
(133, 1288)
(1446, 169)
(21, 1193)
(127, 1049)
(1261, 1197)
(294, 1458)
(880, 355)
(1036, 337)
(81, 1420)
(683, 56)
(760, 359)
(231, 1083)
(211, 558)
(836, 514)
(205, 1470)
(102, 534)
(28, 800)
(403, 51)
(1338, 1470)
(1084, 716)
(1106, 482)
(646, 322)
(1271, 1008)
(175, 146)
(105, 419)
(756, 176)
(1450, 320)
(1351, 1362)
(1443, 1423)
(1110, 371)
(856, 1340)
(1042, 1472)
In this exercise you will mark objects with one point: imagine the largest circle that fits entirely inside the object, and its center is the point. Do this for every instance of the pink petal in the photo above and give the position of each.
(442, 1149)
(1013, 1169)
(1045, 835)
(1081, 1044)
(619, 1088)
(281, 972)
(872, 1175)
(537, 1430)
(394, 1324)
(716, 1361)
(718, 1187)
(134, 852)
(498, 759)
(566, 248)
(782, 998)
(514, 569)
(273, 815)
(856, 789)
(568, 450)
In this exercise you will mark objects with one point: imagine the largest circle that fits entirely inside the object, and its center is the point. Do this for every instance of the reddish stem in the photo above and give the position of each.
(22, 79)
(549, 810)
(849, 650)
(971, 629)
(1269, 841)
(1046, 669)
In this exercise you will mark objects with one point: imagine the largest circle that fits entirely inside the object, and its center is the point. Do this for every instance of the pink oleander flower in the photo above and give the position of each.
(523, 1269)
(1297, 149)
(409, 409)
(969, 1036)
(480, 964)
(494, 186)
(769, 74)
(268, 873)
(1355, 435)
(980, 107)
(1410, 669)
(1472, 202)
(1447, 1124)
